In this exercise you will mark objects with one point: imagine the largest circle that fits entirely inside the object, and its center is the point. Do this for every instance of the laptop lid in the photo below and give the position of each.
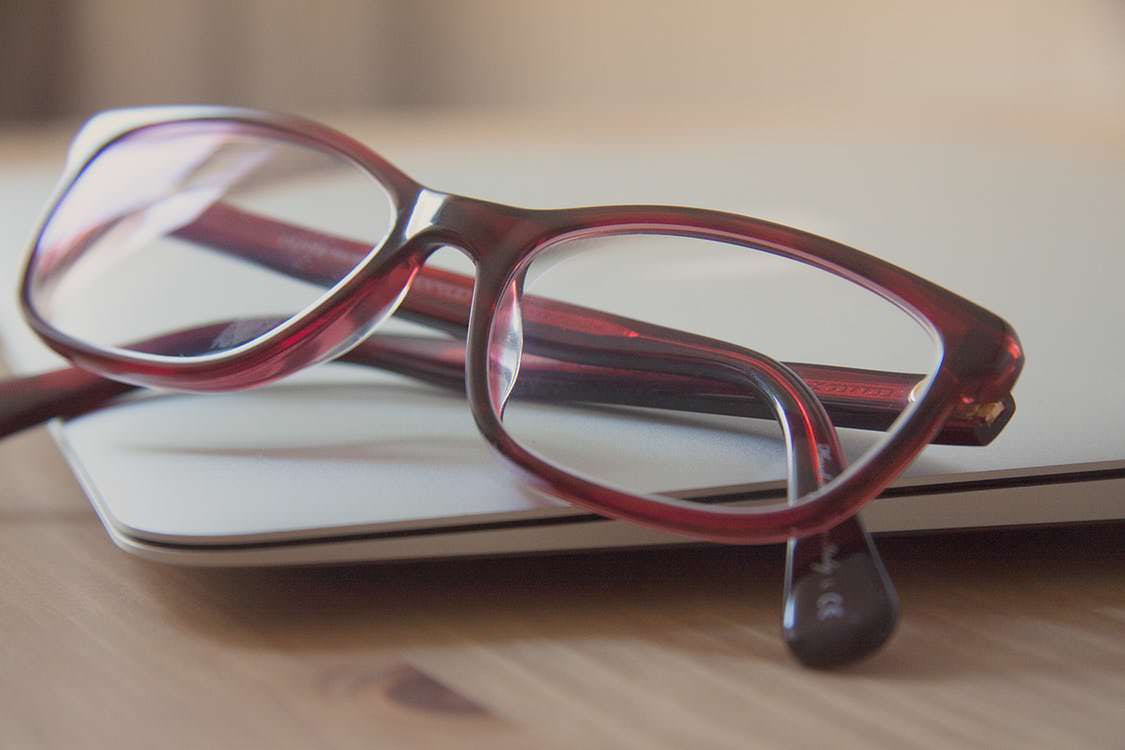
(342, 463)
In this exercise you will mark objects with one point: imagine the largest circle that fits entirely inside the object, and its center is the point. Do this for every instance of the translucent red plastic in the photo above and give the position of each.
(856, 398)
(575, 347)
(440, 299)
(839, 603)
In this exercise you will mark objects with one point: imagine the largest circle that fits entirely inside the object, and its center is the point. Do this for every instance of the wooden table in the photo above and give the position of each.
(1009, 639)
(1012, 639)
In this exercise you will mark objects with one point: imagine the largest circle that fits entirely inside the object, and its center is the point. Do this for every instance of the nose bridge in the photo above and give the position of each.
(486, 231)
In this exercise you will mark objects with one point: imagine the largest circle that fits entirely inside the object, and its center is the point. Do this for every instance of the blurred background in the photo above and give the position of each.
(1014, 63)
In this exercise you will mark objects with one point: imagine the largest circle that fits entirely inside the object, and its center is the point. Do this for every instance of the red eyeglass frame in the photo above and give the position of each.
(981, 355)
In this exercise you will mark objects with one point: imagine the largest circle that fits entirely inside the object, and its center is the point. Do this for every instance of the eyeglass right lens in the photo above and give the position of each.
(225, 229)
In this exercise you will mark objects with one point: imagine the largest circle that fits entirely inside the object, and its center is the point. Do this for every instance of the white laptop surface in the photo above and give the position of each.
(345, 464)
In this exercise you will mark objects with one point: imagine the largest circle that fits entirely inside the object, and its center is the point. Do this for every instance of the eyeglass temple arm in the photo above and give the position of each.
(865, 399)
(839, 602)
(855, 616)
(68, 392)
(855, 398)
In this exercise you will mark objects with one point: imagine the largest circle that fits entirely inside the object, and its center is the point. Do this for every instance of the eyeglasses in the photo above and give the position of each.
(612, 354)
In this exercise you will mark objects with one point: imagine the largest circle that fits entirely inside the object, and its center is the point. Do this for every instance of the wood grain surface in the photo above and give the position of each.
(1013, 639)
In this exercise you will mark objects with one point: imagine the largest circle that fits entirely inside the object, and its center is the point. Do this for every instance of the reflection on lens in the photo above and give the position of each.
(591, 395)
(225, 229)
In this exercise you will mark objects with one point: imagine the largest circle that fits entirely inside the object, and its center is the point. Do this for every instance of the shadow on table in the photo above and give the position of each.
(968, 599)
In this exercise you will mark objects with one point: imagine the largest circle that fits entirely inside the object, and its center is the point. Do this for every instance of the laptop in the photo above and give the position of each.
(345, 464)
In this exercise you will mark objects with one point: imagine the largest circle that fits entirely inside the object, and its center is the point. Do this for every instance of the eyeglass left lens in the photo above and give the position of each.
(637, 361)
(223, 228)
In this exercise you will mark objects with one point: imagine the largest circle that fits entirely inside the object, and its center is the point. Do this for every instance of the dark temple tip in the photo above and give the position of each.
(840, 604)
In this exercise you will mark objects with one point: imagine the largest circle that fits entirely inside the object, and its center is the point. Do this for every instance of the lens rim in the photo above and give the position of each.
(322, 330)
(980, 357)
(654, 350)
